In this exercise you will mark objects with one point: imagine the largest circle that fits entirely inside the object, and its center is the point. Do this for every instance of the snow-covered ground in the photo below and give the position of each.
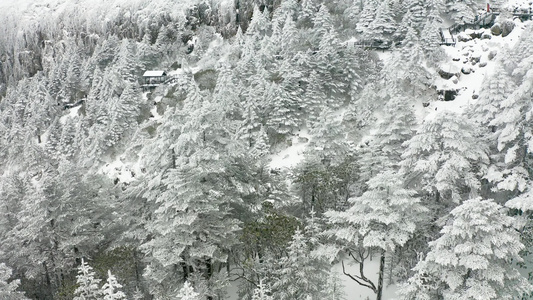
(292, 155)
(72, 113)
(122, 170)
(352, 290)
(461, 56)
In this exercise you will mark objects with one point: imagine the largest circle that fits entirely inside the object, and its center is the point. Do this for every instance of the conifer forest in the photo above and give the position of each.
(266, 149)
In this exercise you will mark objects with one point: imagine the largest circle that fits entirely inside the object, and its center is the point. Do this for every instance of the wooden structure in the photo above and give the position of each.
(523, 14)
(485, 20)
(152, 79)
(447, 37)
(372, 44)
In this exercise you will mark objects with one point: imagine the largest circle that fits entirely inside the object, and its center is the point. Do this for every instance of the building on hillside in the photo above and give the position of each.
(152, 79)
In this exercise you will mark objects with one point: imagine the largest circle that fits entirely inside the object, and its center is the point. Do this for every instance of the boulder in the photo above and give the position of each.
(475, 96)
(466, 70)
(507, 27)
(492, 54)
(302, 140)
(447, 74)
(496, 29)
(486, 36)
(447, 95)
(476, 34)
(475, 59)
(454, 79)
(463, 37)
(482, 64)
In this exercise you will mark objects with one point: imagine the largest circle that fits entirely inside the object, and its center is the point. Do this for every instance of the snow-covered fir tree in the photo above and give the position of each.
(187, 292)
(447, 156)
(383, 218)
(274, 115)
(475, 257)
(299, 276)
(8, 288)
(262, 292)
(112, 289)
(88, 286)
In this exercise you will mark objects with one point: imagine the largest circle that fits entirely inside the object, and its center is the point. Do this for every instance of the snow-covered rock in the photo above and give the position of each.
(507, 27)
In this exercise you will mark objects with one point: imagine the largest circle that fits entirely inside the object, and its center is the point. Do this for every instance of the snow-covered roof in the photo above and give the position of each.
(154, 73)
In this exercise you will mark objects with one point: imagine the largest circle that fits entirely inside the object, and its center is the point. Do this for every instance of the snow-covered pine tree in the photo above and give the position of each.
(370, 8)
(406, 69)
(329, 139)
(334, 289)
(250, 125)
(42, 109)
(519, 58)
(307, 15)
(126, 62)
(314, 99)
(461, 11)
(287, 10)
(383, 218)
(192, 227)
(53, 142)
(262, 292)
(446, 156)
(494, 91)
(284, 110)
(261, 147)
(105, 51)
(67, 145)
(123, 114)
(258, 28)
(226, 92)
(111, 290)
(416, 14)
(187, 292)
(429, 36)
(288, 39)
(88, 286)
(474, 258)
(299, 276)
(383, 25)
(330, 68)
(397, 126)
(8, 290)
(513, 138)
(322, 26)
(72, 84)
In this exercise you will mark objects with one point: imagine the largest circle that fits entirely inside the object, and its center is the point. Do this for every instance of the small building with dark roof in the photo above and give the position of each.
(152, 79)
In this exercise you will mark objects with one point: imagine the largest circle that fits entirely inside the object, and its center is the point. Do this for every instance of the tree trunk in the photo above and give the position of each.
(379, 292)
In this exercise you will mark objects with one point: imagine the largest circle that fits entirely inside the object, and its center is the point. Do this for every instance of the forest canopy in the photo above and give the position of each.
(290, 148)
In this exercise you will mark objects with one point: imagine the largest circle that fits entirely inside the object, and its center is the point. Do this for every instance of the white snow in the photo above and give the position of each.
(153, 73)
(446, 34)
(73, 113)
(470, 84)
(155, 114)
(292, 155)
(125, 172)
(518, 4)
(352, 289)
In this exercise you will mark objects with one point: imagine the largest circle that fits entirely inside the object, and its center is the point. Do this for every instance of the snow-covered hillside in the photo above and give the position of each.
(274, 150)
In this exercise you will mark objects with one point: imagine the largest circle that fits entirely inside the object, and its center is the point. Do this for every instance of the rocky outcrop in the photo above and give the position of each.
(507, 27)
(486, 36)
(466, 70)
(496, 29)
(447, 74)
